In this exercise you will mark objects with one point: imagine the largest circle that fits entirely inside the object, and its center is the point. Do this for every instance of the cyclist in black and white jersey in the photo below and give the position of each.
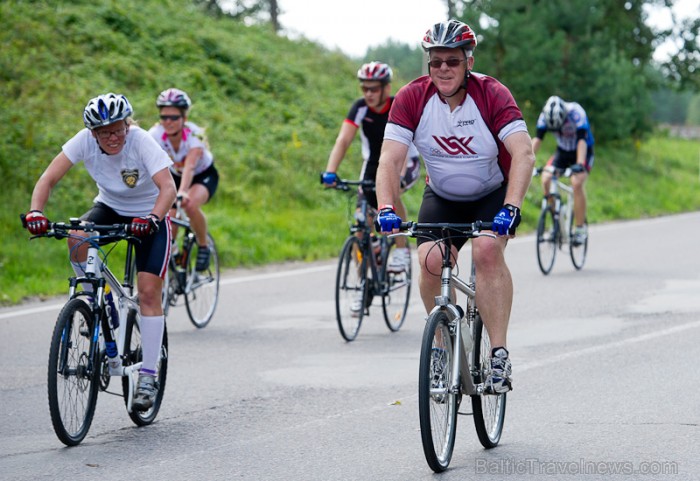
(569, 124)
(369, 115)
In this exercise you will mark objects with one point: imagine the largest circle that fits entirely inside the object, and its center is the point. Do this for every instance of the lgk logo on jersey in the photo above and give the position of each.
(455, 146)
(130, 177)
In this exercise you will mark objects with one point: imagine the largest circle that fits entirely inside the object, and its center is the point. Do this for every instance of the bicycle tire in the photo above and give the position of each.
(396, 292)
(578, 251)
(350, 283)
(547, 239)
(72, 375)
(133, 354)
(489, 409)
(436, 406)
(202, 290)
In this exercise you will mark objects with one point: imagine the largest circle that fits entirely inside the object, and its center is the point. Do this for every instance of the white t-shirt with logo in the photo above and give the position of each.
(124, 180)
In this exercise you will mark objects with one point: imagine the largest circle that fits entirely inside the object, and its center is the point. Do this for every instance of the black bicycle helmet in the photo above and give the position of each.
(449, 34)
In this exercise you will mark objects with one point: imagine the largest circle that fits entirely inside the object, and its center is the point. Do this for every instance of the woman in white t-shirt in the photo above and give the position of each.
(134, 186)
(193, 169)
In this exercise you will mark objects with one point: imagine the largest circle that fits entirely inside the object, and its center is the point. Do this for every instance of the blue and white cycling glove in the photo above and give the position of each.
(387, 219)
(507, 219)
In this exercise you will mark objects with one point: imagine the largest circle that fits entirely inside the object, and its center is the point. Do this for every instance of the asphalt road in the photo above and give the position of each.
(604, 364)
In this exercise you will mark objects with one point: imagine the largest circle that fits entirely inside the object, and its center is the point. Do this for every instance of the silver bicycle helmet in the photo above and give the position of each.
(554, 112)
(449, 34)
(375, 71)
(105, 110)
(173, 98)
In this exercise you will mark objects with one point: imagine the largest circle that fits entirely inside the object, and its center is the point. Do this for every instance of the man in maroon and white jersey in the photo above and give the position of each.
(479, 161)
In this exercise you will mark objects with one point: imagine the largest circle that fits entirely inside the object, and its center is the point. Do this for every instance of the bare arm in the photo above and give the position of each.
(342, 143)
(536, 143)
(191, 160)
(48, 180)
(519, 146)
(167, 193)
(391, 162)
(581, 151)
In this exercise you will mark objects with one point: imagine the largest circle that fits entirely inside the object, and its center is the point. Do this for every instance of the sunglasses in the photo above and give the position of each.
(451, 62)
(372, 90)
(106, 134)
(170, 117)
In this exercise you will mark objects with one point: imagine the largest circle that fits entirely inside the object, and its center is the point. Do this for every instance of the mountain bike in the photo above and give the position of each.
(556, 227)
(363, 272)
(87, 326)
(200, 290)
(455, 357)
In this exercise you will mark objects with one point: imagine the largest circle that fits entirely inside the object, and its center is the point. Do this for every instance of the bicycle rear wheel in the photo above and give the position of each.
(396, 293)
(351, 288)
(437, 407)
(72, 379)
(546, 240)
(202, 290)
(489, 409)
(577, 250)
(133, 354)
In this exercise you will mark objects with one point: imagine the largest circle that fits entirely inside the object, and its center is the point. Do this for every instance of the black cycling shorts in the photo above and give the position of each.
(436, 209)
(153, 250)
(565, 158)
(209, 179)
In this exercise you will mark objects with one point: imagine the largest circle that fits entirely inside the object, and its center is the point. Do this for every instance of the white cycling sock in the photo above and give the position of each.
(151, 336)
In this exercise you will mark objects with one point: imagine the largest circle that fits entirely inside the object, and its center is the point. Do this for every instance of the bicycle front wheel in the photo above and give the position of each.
(489, 409)
(546, 240)
(72, 380)
(133, 354)
(437, 407)
(202, 291)
(396, 292)
(578, 250)
(351, 288)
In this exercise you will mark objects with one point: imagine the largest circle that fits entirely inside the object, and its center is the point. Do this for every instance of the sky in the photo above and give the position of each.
(354, 25)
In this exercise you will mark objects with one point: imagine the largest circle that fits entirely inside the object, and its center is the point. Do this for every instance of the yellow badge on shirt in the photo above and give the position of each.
(130, 177)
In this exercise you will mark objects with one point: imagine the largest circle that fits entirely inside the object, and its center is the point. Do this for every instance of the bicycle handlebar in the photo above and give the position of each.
(469, 230)
(556, 172)
(345, 184)
(61, 230)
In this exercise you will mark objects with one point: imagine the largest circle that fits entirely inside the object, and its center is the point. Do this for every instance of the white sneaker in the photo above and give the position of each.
(356, 306)
(580, 235)
(400, 260)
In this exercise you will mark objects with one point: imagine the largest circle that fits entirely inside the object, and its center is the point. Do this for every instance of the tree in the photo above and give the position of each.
(595, 52)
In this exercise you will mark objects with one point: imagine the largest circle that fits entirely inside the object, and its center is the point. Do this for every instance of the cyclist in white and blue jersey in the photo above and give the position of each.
(569, 124)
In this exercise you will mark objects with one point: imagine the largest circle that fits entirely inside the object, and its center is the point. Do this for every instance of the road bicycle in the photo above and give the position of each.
(556, 227)
(200, 290)
(455, 357)
(88, 326)
(363, 271)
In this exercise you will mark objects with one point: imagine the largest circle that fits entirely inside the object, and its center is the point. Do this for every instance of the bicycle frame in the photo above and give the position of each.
(126, 301)
(461, 367)
(561, 215)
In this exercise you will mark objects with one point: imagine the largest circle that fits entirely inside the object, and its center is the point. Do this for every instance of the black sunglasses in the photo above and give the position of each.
(170, 117)
(451, 62)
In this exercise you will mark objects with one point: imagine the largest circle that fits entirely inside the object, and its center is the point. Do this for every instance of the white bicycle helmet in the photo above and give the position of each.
(105, 110)
(554, 113)
(375, 71)
(173, 98)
